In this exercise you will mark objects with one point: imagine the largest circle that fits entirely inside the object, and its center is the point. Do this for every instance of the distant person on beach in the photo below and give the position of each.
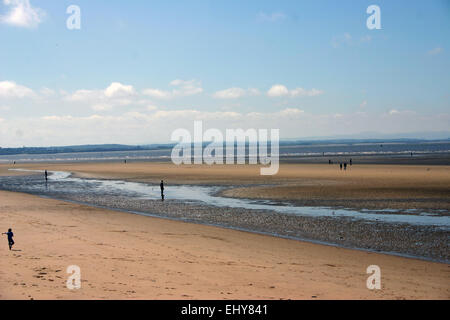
(161, 185)
(10, 235)
(340, 165)
(351, 162)
(345, 165)
(46, 175)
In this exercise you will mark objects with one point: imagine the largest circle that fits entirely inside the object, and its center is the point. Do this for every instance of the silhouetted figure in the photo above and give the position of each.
(329, 161)
(161, 185)
(340, 165)
(345, 165)
(14, 162)
(125, 161)
(351, 162)
(411, 154)
(10, 235)
(46, 176)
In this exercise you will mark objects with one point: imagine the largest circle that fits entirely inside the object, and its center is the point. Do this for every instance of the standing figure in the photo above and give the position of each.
(161, 185)
(340, 165)
(345, 165)
(351, 161)
(10, 235)
(46, 175)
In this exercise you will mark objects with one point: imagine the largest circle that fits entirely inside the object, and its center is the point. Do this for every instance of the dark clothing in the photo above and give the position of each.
(10, 239)
(162, 190)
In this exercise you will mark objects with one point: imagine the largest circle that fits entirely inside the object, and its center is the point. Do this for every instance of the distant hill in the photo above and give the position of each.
(121, 147)
(73, 149)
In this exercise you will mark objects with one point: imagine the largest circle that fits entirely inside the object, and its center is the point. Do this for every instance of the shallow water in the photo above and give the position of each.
(64, 183)
(301, 150)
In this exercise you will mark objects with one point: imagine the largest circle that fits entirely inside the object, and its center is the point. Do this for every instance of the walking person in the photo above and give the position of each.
(345, 165)
(10, 235)
(340, 165)
(161, 185)
(46, 176)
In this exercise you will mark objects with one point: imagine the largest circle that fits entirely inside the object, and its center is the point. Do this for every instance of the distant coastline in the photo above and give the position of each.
(285, 143)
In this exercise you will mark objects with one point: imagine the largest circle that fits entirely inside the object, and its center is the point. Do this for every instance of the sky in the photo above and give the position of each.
(137, 70)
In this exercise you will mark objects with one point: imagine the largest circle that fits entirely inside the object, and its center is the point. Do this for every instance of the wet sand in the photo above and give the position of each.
(360, 186)
(126, 256)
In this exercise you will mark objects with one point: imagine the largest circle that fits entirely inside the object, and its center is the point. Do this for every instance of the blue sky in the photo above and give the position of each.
(137, 70)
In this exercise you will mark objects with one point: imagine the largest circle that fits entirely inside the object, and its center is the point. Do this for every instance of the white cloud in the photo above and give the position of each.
(401, 112)
(156, 93)
(231, 93)
(279, 90)
(182, 88)
(394, 111)
(291, 111)
(22, 14)
(84, 95)
(300, 92)
(117, 89)
(435, 51)
(234, 93)
(10, 89)
(186, 88)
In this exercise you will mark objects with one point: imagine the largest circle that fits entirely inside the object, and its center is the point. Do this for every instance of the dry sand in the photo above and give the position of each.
(126, 256)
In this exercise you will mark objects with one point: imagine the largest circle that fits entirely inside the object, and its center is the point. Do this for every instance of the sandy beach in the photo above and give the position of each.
(126, 256)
